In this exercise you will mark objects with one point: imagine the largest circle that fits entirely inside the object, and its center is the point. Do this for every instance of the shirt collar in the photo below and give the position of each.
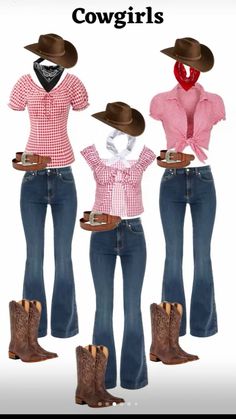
(172, 94)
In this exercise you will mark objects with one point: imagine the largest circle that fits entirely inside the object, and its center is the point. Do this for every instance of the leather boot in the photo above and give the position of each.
(19, 347)
(101, 365)
(175, 320)
(161, 349)
(86, 378)
(34, 319)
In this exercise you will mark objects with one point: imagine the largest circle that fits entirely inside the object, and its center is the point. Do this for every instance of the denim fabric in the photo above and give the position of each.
(57, 188)
(179, 187)
(128, 242)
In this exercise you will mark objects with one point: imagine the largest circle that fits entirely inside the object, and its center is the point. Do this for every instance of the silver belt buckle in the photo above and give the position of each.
(168, 156)
(92, 216)
(24, 158)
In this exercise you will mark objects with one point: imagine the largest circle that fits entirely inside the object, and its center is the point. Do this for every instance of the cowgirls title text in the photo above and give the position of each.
(119, 19)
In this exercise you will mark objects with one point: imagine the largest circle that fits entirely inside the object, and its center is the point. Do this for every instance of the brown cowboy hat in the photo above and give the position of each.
(190, 52)
(121, 116)
(54, 48)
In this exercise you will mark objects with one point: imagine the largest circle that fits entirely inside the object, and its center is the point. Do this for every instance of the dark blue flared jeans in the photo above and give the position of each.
(128, 242)
(179, 187)
(54, 187)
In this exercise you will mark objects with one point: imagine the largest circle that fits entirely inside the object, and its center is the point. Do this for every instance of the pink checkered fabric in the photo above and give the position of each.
(195, 130)
(118, 188)
(48, 112)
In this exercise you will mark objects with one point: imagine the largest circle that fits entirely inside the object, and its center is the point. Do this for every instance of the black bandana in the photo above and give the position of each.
(47, 75)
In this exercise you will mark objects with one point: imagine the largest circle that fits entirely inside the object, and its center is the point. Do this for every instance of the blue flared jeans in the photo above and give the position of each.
(128, 242)
(54, 187)
(179, 187)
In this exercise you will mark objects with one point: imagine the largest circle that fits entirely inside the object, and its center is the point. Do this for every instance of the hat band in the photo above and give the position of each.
(55, 54)
(189, 58)
(119, 122)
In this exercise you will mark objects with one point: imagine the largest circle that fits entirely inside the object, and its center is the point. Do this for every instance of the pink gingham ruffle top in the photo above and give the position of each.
(118, 188)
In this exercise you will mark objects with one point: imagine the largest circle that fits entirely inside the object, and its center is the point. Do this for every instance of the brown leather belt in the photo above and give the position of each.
(173, 159)
(30, 161)
(98, 221)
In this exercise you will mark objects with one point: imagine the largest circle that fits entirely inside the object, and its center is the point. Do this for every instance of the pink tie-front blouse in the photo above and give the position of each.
(181, 128)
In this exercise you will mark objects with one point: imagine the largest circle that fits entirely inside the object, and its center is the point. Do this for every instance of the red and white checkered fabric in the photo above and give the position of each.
(48, 112)
(118, 188)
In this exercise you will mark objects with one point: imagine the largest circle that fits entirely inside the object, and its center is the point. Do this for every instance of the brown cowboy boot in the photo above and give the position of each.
(86, 380)
(161, 349)
(19, 347)
(101, 365)
(175, 320)
(34, 319)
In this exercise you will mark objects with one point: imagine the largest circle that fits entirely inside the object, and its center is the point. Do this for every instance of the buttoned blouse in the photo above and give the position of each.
(48, 112)
(167, 108)
(118, 188)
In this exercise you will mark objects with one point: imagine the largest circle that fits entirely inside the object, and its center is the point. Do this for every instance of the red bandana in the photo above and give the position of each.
(180, 75)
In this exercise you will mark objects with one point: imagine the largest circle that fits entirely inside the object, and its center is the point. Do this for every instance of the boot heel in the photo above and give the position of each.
(154, 358)
(78, 400)
(11, 355)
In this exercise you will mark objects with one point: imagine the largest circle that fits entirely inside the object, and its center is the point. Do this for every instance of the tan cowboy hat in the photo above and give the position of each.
(190, 52)
(54, 48)
(121, 116)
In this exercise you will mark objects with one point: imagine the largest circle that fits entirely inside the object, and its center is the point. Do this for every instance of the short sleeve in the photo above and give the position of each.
(218, 109)
(18, 97)
(91, 156)
(156, 107)
(79, 95)
(147, 156)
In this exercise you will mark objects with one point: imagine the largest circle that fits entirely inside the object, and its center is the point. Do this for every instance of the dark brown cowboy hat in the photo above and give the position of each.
(121, 116)
(54, 48)
(190, 52)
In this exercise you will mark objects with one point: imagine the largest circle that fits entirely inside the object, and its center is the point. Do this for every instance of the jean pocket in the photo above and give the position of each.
(66, 177)
(136, 228)
(206, 176)
(28, 177)
(168, 175)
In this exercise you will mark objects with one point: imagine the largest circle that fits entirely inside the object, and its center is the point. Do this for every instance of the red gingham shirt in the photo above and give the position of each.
(48, 112)
(118, 188)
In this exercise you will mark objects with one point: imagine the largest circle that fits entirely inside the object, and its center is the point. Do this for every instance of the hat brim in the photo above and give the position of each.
(67, 60)
(205, 63)
(134, 129)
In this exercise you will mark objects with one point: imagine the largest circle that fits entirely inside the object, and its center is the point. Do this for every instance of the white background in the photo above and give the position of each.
(120, 64)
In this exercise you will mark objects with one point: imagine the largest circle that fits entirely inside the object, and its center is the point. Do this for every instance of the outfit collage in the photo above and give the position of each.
(187, 113)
